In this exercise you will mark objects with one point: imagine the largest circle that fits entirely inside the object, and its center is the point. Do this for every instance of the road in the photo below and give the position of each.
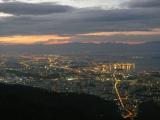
(130, 114)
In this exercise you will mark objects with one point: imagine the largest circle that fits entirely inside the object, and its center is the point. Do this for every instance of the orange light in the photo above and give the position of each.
(32, 39)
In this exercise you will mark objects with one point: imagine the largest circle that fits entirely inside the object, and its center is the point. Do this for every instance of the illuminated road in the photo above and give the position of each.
(129, 114)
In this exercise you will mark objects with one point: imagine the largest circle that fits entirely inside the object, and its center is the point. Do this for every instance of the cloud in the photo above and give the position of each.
(144, 4)
(3, 15)
(19, 8)
(109, 4)
(134, 39)
(31, 39)
(44, 19)
(126, 33)
(81, 21)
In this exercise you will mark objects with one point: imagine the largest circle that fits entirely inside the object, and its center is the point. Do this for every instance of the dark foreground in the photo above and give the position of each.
(27, 103)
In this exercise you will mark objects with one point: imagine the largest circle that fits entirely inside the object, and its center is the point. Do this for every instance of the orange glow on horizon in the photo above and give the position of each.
(60, 39)
(146, 33)
(129, 42)
(33, 39)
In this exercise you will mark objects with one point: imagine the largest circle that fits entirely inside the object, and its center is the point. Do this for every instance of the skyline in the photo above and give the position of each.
(84, 21)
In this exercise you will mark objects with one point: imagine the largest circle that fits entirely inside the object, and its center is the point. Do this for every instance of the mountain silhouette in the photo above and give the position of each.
(150, 48)
(28, 103)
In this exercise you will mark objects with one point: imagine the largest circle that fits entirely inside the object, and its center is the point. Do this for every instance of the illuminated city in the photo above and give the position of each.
(76, 74)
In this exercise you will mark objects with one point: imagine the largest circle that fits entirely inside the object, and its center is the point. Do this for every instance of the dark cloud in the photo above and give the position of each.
(144, 4)
(19, 8)
(81, 21)
(58, 19)
(116, 38)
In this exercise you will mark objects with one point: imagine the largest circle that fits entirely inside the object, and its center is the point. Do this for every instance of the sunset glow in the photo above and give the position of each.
(146, 33)
(32, 39)
(58, 39)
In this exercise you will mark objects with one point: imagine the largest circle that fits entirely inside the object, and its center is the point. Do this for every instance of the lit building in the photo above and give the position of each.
(115, 66)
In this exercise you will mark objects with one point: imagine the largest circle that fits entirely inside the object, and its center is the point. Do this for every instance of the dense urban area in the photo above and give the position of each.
(118, 81)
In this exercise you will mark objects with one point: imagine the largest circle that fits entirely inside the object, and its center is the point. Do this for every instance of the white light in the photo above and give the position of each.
(70, 79)
(2, 15)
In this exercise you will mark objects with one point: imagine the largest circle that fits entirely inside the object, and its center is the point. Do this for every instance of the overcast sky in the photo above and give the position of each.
(77, 3)
(63, 21)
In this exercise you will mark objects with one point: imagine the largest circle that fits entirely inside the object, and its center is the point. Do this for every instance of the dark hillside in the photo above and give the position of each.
(27, 103)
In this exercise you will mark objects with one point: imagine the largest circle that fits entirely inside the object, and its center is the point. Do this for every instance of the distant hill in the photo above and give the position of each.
(150, 48)
(27, 103)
